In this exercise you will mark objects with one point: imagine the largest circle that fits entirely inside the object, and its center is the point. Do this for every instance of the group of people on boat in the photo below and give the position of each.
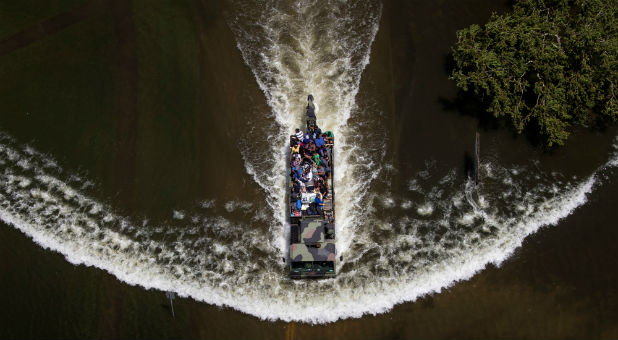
(310, 164)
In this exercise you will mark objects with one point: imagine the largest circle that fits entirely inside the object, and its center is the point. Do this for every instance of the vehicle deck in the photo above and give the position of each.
(312, 251)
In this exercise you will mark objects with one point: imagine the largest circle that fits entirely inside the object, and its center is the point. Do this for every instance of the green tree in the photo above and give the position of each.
(547, 65)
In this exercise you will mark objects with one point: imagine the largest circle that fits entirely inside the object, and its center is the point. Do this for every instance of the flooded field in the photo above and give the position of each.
(142, 150)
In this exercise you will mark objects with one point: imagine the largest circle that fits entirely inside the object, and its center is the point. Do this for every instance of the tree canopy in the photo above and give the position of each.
(547, 65)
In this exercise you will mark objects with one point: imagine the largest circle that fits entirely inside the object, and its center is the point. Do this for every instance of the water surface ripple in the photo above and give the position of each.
(396, 247)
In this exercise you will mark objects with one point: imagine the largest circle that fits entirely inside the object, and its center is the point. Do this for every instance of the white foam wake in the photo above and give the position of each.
(437, 233)
(222, 262)
(309, 47)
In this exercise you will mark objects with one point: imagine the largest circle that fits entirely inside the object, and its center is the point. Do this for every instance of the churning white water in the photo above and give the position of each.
(445, 229)
(309, 47)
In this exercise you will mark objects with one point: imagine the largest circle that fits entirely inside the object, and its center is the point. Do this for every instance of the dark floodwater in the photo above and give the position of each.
(138, 145)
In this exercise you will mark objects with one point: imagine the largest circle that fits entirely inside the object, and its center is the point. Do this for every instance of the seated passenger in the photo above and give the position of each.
(319, 204)
(313, 209)
(326, 161)
(296, 172)
(319, 185)
(320, 170)
(319, 142)
(299, 135)
(305, 162)
(314, 170)
(312, 148)
(307, 156)
(324, 190)
(316, 159)
(295, 148)
(308, 176)
(328, 137)
(326, 167)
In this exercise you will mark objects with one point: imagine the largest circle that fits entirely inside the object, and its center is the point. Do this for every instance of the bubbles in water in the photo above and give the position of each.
(179, 215)
(425, 209)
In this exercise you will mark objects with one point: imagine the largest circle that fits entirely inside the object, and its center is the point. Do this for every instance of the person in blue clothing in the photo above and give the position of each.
(324, 164)
(319, 204)
(296, 171)
(319, 142)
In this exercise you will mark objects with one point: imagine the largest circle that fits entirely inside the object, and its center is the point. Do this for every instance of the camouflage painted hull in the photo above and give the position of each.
(312, 252)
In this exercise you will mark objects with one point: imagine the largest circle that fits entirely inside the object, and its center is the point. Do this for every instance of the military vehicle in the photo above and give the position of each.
(312, 225)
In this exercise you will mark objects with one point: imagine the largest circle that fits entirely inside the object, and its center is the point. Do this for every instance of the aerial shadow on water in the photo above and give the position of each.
(468, 103)
(468, 165)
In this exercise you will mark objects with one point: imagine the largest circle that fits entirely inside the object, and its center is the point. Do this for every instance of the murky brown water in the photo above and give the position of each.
(147, 103)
